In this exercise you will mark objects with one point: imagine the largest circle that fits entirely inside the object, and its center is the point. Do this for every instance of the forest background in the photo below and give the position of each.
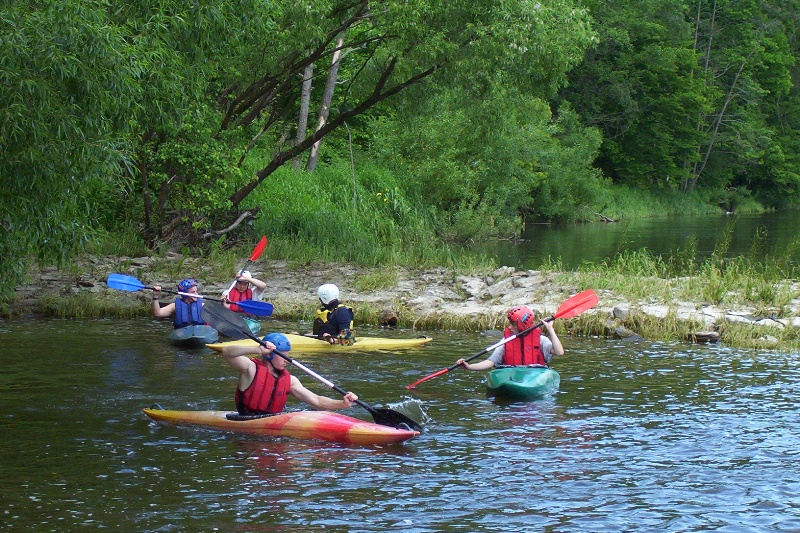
(395, 132)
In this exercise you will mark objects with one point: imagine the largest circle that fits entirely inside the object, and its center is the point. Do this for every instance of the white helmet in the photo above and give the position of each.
(327, 293)
(245, 273)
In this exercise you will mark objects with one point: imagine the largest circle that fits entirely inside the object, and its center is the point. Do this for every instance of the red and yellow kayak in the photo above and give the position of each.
(303, 344)
(309, 425)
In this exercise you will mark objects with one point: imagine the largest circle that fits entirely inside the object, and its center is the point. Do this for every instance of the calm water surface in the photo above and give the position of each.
(774, 234)
(640, 437)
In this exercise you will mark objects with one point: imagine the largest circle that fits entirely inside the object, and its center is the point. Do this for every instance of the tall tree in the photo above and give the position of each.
(397, 44)
(69, 81)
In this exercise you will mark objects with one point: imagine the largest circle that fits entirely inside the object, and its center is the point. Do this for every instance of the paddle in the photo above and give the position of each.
(229, 323)
(131, 284)
(256, 253)
(574, 306)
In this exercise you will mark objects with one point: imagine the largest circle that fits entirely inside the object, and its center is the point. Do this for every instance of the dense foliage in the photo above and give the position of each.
(428, 122)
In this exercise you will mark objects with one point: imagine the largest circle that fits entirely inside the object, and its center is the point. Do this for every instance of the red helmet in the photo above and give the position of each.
(522, 317)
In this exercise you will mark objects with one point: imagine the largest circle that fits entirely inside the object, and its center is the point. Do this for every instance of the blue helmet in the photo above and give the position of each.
(186, 284)
(280, 341)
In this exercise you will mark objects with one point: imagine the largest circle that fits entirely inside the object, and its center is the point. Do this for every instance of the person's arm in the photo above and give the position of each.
(483, 365)
(495, 359)
(258, 287)
(341, 319)
(239, 358)
(158, 311)
(226, 299)
(557, 348)
(320, 402)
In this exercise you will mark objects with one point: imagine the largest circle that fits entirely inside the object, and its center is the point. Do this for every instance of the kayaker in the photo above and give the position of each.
(333, 321)
(187, 310)
(265, 384)
(246, 288)
(530, 349)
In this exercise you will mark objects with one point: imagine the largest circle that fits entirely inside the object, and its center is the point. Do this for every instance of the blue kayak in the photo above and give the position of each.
(522, 382)
(193, 336)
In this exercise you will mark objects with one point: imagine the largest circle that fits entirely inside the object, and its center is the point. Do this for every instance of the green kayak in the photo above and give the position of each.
(522, 382)
(254, 325)
(193, 336)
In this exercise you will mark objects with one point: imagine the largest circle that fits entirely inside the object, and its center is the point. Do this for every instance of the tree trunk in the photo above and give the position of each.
(379, 94)
(327, 96)
(731, 93)
(691, 176)
(302, 119)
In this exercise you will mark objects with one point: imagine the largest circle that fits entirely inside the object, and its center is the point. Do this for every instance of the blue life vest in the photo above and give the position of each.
(188, 314)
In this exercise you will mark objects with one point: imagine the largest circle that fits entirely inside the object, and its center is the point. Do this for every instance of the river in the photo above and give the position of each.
(752, 235)
(640, 437)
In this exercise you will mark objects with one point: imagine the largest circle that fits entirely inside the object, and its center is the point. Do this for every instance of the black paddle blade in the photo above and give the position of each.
(226, 321)
(388, 417)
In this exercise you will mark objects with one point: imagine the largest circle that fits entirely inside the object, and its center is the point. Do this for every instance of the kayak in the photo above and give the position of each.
(254, 325)
(301, 343)
(193, 336)
(522, 382)
(309, 425)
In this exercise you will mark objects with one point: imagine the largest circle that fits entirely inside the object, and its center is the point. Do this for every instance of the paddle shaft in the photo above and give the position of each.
(249, 306)
(254, 255)
(188, 294)
(319, 378)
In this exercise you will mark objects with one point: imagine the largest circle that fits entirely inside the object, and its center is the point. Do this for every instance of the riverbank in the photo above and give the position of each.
(424, 299)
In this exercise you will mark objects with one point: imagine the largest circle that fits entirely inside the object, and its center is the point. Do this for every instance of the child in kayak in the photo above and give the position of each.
(531, 349)
(187, 310)
(246, 288)
(265, 384)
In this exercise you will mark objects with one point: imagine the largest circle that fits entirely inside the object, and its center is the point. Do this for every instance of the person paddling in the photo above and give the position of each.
(246, 288)
(265, 384)
(187, 310)
(531, 349)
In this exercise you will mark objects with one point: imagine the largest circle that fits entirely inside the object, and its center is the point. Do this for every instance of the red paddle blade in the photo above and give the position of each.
(259, 249)
(577, 304)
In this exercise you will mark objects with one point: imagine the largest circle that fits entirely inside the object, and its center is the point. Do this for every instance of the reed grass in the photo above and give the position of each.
(84, 305)
(376, 280)
(325, 217)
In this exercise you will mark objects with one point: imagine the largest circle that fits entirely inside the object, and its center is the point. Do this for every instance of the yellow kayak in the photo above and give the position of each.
(303, 344)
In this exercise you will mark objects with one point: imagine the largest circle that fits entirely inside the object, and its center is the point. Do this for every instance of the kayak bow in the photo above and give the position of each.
(522, 382)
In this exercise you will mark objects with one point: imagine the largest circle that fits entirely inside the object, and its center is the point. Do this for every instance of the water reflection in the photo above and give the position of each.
(757, 235)
(646, 436)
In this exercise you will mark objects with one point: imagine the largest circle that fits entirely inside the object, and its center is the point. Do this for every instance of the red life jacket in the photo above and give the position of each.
(239, 296)
(266, 395)
(525, 350)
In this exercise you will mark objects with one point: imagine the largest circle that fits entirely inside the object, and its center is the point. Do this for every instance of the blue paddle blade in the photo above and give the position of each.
(256, 308)
(124, 283)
